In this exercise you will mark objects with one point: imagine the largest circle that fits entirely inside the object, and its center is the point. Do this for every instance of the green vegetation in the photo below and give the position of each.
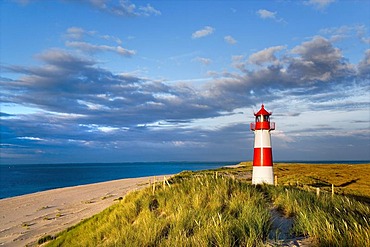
(221, 208)
(196, 211)
(329, 221)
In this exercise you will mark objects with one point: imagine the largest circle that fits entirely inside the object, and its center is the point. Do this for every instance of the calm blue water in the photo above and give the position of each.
(18, 180)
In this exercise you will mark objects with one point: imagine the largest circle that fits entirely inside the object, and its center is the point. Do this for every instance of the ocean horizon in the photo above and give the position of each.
(21, 179)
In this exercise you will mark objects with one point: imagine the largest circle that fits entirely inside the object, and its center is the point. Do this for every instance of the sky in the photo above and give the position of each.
(128, 81)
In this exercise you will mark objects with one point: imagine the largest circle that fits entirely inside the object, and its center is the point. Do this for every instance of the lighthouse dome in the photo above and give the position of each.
(262, 112)
(262, 121)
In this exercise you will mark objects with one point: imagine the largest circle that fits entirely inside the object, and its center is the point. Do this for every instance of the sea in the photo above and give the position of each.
(16, 180)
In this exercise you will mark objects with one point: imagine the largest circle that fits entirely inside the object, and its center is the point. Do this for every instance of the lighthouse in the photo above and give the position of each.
(262, 157)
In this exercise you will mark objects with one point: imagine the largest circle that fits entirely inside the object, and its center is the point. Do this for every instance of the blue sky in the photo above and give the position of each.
(116, 81)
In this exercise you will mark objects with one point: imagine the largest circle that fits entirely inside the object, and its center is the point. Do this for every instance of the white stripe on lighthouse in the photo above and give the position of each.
(262, 139)
(263, 174)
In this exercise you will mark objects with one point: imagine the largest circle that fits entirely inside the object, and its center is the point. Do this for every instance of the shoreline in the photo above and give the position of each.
(21, 179)
(26, 218)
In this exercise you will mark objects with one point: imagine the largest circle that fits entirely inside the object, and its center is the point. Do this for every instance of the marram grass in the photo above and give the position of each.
(203, 209)
(328, 220)
(195, 211)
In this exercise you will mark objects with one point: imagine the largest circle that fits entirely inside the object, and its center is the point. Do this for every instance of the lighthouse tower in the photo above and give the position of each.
(262, 158)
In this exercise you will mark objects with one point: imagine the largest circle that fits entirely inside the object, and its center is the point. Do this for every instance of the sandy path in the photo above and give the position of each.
(25, 219)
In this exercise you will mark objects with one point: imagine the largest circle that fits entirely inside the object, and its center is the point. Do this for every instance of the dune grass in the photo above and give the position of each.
(328, 220)
(216, 208)
(202, 210)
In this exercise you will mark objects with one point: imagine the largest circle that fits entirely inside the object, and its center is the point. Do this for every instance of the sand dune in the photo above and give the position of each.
(25, 219)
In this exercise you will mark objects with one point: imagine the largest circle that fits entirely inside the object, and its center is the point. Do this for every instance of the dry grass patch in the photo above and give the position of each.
(347, 179)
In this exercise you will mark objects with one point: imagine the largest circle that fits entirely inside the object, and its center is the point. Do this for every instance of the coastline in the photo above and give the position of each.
(21, 179)
(25, 219)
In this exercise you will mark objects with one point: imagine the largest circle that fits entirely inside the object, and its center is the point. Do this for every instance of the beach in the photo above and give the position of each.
(27, 218)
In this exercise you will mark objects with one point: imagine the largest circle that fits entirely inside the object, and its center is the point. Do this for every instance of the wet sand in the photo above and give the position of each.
(25, 219)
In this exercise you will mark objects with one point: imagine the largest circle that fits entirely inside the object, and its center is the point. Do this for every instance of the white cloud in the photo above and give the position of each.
(319, 4)
(123, 8)
(84, 46)
(149, 10)
(78, 33)
(347, 31)
(112, 38)
(30, 138)
(75, 33)
(124, 52)
(203, 60)
(104, 129)
(229, 39)
(265, 14)
(207, 30)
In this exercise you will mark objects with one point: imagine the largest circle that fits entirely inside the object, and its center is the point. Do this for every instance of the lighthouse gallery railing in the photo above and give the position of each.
(267, 125)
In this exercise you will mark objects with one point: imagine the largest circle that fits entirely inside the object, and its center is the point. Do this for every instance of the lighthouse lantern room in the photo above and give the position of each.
(262, 157)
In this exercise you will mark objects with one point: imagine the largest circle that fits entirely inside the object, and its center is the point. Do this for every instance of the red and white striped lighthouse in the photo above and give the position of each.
(262, 157)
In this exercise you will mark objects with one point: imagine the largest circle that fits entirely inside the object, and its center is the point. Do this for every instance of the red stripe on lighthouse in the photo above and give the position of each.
(262, 157)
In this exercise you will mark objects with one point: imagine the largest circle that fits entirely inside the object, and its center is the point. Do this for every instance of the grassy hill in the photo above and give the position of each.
(222, 208)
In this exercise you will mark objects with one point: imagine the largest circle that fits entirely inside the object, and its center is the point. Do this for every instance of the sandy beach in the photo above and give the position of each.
(25, 219)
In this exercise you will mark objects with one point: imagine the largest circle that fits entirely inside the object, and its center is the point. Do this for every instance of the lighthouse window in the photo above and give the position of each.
(258, 119)
(265, 118)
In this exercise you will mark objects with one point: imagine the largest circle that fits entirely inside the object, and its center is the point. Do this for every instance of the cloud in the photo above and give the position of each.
(58, 62)
(347, 31)
(203, 60)
(149, 10)
(84, 88)
(207, 30)
(84, 46)
(124, 8)
(72, 84)
(119, 8)
(78, 33)
(75, 39)
(309, 68)
(265, 56)
(319, 4)
(230, 40)
(319, 61)
(265, 14)
(115, 39)
(87, 108)
(364, 66)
